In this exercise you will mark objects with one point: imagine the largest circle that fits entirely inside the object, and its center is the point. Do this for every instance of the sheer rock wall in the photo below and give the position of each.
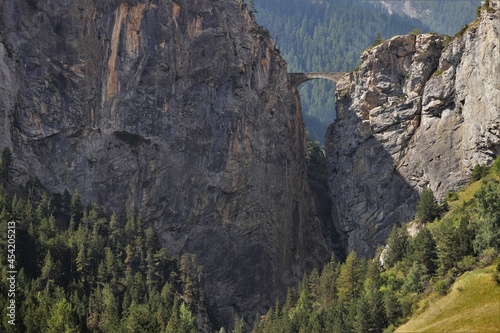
(417, 112)
(181, 111)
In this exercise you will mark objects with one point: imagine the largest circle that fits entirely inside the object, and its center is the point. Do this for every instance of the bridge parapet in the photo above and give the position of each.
(298, 78)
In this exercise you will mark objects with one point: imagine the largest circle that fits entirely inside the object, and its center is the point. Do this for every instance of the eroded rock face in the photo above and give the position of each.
(412, 115)
(460, 123)
(178, 110)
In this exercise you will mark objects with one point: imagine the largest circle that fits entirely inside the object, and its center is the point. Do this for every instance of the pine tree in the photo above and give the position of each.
(114, 228)
(51, 270)
(82, 266)
(328, 280)
(392, 307)
(110, 265)
(6, 163)
(378, 318)
(43, 207)
(316, 323)
(372, 317)
(62, 318)
(363, 317)
(129, 264)
(190, 276)
(348, 282)
(139, 319)
(423, 250)
(17, 208)
(174, 323)
(454, 241)
(76, 207)
(303, 307)
(487, 222)
(397, 246)
(138, 289)
(416, 279)
(314, 284)
(239, 325)
(377, 40)
(427, 206)
(188, 323)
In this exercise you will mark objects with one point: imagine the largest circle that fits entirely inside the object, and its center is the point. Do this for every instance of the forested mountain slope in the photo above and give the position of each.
(80, 270)
(443, 16)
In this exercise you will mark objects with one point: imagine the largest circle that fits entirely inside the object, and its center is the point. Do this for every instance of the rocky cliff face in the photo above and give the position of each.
(179, 110)
(417, 112)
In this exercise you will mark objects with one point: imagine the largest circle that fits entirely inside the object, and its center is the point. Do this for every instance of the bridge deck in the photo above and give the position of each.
(298, 78)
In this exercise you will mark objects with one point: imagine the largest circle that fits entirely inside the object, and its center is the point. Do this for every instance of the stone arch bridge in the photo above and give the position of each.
(298, 78)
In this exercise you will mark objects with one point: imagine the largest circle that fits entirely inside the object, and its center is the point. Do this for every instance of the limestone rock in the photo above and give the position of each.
(179, 110)
(412, 115)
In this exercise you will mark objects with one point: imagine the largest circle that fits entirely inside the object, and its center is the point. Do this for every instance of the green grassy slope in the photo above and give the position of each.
(473, 301)
(471, 305)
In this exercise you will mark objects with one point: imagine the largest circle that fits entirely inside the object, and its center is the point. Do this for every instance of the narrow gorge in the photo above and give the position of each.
(184, 113)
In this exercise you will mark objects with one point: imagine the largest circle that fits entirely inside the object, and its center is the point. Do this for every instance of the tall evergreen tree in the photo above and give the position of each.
(5, 163)
(349, 280)
(423, 250)
(454, 241)
(416, 279)
(427, 206)
(397, 246)
(62, 318)
(487, 218)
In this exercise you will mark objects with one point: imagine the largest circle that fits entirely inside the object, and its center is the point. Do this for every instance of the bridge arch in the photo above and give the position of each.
(298, 78)
(317, 124)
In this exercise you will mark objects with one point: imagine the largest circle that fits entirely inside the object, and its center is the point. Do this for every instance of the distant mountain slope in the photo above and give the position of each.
(444, 16)
(327, 36)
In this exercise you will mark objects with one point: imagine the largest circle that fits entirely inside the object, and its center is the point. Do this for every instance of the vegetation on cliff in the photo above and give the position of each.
(418, 266)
